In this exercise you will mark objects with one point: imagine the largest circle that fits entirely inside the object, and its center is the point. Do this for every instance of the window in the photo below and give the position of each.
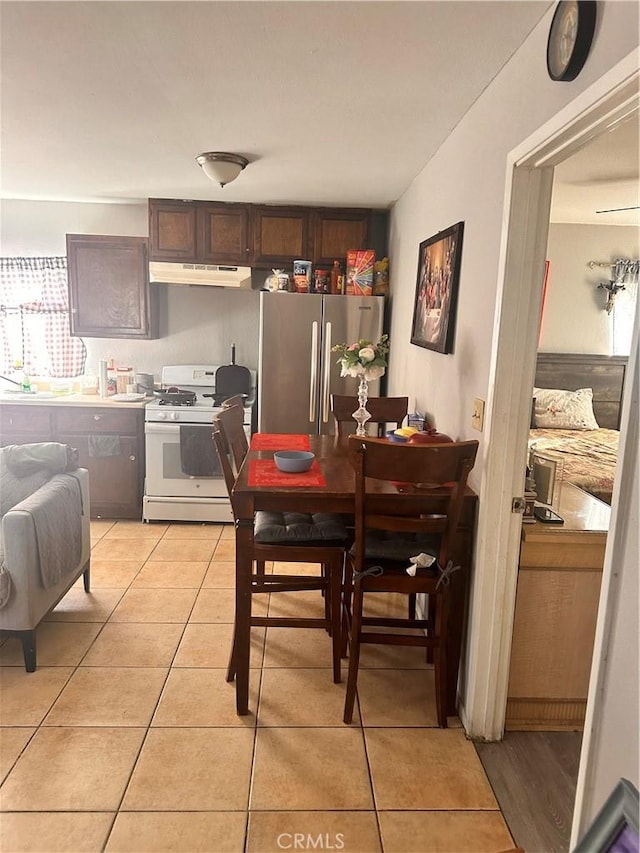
(34, 318)
(624, 307)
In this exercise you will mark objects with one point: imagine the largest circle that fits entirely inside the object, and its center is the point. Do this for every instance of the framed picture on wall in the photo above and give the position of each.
(615, 827)
(434, 310)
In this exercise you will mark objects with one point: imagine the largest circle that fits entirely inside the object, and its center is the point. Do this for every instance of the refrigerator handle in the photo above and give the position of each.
(327, 373)
(313, 386)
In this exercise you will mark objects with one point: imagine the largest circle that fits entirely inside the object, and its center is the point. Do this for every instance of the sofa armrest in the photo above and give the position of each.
(29, 600)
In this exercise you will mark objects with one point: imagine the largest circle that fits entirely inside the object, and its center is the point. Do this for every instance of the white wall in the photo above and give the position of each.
(610, 748)
(198, 325)
(467, 180)
(574, 319)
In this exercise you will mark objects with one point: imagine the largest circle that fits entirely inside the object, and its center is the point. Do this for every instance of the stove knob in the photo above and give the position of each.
(174, 416)
(162, 416)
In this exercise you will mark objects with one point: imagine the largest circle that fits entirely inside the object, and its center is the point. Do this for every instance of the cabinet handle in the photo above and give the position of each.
(132, 458)
(10, 421)
(97, 417)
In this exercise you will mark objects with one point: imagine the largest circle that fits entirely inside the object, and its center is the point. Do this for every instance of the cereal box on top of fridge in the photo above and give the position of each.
(360, 272)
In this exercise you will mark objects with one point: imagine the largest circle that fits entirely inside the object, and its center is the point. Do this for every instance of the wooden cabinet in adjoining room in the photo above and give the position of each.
(172, 230)
(554, 628)
(280, 235)
(223, 234)
(109, 295)
(336, 231)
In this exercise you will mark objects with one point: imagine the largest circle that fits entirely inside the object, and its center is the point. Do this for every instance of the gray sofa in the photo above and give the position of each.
(45, 542)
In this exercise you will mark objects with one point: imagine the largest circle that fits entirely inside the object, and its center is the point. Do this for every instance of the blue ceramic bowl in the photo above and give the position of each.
(401, 439)
(293, 461)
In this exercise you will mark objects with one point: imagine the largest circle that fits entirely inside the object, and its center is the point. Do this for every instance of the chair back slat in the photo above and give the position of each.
(226, 459)
(231, 421)
(382, 409)
(236, 400)
(446, 466)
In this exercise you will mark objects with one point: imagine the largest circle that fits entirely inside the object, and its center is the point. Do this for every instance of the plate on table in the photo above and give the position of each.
(127, 398)
(400, 439)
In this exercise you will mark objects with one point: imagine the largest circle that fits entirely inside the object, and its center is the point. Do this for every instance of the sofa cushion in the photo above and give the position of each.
(388, 545)
(14, 489)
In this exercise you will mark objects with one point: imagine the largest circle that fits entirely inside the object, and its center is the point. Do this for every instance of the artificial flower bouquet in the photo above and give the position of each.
(363, 358)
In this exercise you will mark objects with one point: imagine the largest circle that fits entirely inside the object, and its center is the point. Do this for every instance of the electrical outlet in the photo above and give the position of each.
(477, 418)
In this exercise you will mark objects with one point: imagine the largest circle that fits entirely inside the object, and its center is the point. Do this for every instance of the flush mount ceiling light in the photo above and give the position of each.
(221, 167)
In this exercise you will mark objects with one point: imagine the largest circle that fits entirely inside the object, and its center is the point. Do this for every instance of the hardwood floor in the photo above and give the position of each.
(533, 775)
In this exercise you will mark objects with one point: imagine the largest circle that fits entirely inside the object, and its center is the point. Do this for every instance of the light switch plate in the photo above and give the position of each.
(477, 418)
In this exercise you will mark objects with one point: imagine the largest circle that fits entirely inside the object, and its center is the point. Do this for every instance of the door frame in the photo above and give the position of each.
(529, 176)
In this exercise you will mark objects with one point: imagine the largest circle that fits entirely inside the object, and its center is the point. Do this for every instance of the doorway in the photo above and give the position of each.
(607, 103)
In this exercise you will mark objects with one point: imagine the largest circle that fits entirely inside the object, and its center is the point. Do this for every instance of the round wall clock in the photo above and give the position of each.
(570, 38)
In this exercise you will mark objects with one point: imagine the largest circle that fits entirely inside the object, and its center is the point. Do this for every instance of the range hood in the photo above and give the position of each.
(207, 275)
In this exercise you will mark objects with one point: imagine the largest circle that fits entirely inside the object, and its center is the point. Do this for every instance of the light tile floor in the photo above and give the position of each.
(126, 737)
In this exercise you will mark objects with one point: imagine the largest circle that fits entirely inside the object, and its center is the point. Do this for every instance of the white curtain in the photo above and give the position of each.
(34, 318)
(625, 272)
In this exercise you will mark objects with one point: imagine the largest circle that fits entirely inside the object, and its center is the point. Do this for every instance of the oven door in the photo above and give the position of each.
(164, 475)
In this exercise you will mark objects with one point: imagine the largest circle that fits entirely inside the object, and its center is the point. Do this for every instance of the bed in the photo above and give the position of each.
(588, 455)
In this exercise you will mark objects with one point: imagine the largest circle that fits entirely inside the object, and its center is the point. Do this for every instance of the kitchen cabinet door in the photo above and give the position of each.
(109, 293)
(27, 423)
(336, 231)
(173, 230)
(223, 234)
(280, 235)
(115, 482)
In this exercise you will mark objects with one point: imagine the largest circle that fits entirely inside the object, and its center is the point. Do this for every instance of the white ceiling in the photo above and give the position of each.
(332, 102)
(602, 176)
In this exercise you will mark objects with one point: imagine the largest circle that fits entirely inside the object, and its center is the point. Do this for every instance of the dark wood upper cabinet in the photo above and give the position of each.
(336, 231)
(223, 234)
(280, 235)
(172, 230)
(109, 293)
(262, 236)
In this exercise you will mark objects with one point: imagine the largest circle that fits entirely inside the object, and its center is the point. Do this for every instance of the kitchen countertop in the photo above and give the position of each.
(93, 400)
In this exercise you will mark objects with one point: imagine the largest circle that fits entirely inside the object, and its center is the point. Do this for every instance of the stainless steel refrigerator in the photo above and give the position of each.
(297, 372)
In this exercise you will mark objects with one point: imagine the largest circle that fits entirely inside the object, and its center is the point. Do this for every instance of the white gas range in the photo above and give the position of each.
(170, 494)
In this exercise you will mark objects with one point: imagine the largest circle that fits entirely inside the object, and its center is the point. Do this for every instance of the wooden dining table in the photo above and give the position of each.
(337, 494)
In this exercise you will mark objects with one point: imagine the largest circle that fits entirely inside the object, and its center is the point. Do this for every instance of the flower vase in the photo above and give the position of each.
(361, 415)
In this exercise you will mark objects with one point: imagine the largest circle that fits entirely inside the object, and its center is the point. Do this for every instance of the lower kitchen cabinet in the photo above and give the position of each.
(110, 444)
(114, 481)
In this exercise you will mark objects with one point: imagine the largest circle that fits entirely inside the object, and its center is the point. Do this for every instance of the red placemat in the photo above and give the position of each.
(263, 472)
(279, 441)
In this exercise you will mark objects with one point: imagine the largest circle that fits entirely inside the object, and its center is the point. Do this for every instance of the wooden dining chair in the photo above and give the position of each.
(383, 410)
(235, 433)
(236, 400)
(291, 537)
(385, 542)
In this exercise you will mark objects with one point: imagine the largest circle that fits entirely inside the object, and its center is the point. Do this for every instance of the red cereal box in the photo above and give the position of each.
(360, 272)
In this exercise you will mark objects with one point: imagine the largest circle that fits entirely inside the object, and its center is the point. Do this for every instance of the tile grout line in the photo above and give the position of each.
(164, 684)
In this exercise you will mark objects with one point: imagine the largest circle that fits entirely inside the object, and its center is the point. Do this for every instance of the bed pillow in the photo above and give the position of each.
(557, 409)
